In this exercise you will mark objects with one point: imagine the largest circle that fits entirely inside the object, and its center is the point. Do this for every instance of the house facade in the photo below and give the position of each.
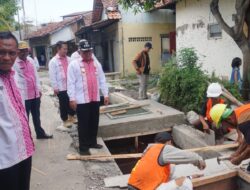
(118, 35)
(196, 27)
(43, 40)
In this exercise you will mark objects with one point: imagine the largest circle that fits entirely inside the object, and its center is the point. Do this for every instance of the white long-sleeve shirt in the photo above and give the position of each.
(57, 74)
(78, 85)
(76, 56)
(28, 79)
(15, 136)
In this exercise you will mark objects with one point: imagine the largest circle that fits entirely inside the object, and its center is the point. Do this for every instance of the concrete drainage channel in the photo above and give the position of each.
(132, 133)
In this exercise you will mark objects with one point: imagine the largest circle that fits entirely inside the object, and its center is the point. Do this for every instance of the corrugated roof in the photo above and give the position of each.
(53, 27)
(87, 17)
(76, 14)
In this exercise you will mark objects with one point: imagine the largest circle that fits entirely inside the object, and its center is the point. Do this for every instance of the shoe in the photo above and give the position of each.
(72, 119)
(67, 124)
(84, 153)
(45, 136)
(96, 146)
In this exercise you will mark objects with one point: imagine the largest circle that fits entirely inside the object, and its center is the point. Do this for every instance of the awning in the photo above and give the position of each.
(97, 25)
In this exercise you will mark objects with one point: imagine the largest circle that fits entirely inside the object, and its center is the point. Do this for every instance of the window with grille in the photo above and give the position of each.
(139, 39)
(214, 31)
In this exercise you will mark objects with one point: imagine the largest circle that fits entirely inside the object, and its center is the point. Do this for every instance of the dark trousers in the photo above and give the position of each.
(33, 106)
(64, 107)
(88, 121)
(16, 177)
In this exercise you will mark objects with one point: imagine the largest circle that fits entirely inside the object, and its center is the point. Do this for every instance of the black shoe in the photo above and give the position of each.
(45, 136)
(84, 153)
(97, 146)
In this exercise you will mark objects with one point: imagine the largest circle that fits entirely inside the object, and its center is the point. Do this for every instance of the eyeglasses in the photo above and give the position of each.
(10, 53)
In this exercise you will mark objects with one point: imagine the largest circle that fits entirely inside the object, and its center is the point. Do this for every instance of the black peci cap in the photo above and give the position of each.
(149, 45)
(163, 137)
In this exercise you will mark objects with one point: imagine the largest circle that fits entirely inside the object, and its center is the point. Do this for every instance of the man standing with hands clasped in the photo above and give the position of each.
(85, 78)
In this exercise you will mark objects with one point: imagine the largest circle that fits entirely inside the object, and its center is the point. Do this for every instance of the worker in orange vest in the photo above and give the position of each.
(204, 123)
(153, 170)
(239, 119)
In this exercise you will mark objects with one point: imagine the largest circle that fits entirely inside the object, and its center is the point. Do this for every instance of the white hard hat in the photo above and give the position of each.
(214, 90)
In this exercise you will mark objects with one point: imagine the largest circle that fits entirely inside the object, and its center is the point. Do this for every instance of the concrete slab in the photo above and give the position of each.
(187, 137)
(160, 117)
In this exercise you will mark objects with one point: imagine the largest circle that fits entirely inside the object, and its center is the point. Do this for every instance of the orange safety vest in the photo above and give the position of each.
(209, 107)
(242, 113)
(147, 173)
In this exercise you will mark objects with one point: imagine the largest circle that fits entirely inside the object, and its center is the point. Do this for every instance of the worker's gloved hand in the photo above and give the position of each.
(201, 164)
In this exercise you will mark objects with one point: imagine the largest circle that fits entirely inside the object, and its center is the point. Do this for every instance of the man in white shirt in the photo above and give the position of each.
(76, 54)
(30, 87)
(16, 142)
(85, 78)
(58, 67)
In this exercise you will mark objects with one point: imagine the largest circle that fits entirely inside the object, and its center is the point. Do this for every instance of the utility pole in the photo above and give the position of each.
(24, 19)
(19, 25)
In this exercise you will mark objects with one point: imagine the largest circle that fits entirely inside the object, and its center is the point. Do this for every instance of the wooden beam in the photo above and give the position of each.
(105, 157)
(125, 108)
(214, 178)
(214, 148)
(245, 176)
(137, 134)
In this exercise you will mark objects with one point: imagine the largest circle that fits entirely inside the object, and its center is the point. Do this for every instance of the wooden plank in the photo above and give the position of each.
(138, 155)
(118, 112)
(112, 73)
(103, 157)
(245, 176)
(226, 184)
(125, 108)
(214, 178)
(137, 134)
(214, 148)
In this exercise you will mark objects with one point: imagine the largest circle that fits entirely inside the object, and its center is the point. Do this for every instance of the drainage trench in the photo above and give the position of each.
(128, 146)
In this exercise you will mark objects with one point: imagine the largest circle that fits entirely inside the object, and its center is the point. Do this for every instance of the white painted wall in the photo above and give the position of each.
(159, 16)
(64, 34)
(215, 54)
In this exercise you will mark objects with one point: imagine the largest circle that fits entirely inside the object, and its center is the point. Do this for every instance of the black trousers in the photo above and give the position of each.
(16, 177)
(33, 106)
(88, 121)
(64, 107)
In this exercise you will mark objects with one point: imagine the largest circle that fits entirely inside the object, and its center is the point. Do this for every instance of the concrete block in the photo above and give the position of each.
(160, 117)
(186, 137)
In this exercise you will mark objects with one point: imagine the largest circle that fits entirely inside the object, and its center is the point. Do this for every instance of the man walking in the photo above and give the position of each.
(58, 67)
(16, 142)
(85, 78)
(141, 64)
(30, 87)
